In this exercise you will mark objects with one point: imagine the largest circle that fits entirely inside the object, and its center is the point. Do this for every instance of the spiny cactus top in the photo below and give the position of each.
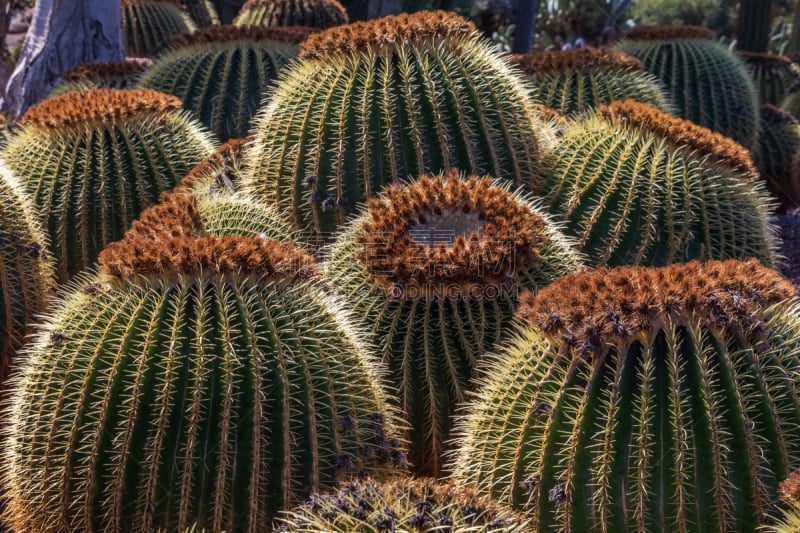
(640, 187)
(93, 160)
(403, 504)
(773, 75)
(778, 147)
(574, 81)
(708, 84)
(642, 399)
(115, 75)
(432, 270)
(313, 13)
(220, 172)
(382, 101)
(149, 24)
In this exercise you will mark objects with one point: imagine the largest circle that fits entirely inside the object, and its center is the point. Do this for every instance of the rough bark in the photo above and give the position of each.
(63, 35)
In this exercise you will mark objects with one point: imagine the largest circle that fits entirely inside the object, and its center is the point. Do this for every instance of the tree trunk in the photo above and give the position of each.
(63, 35)
(755, 22)
(525, 25)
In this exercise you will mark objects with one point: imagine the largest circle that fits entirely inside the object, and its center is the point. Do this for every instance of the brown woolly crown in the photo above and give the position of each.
(659, 33)
(789, 488)
(680, 132)
(774, 116)
(384, 32)
(589, 311)
(583, 59)
(226, 34)
(170, 240)
(116, 69)
(446, 231)
(126, 3)
(772, 60)
(99, 106)
(218, 165)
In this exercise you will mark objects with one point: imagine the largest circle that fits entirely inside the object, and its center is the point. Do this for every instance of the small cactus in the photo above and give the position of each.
(148, 25)
(642, 399)
(576, 81)
(93, 160)
(116, 75)
(202, 12)
(639, 187)
(778, 145)
(321, 14)
(772, 74)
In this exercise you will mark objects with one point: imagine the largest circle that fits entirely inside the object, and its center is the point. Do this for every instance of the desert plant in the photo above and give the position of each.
(94, 160)
(639, 187)
(117, 75)
(576, 81)
(778, 146)
(221, 73)
(220, 173)
(203, 377)
(149, 24)
(202, 12)
(382, 101)
(707, 82)
(432, 269)
(320, 14)
(642, 399)
(772, 74)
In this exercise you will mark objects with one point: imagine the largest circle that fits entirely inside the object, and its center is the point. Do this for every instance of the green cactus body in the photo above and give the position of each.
(575, 81)
(220, 174)
(202, 377)
(639, 187)
(93, 161)
(202, 12)
(148, 25)
(773, 75)
(432, 270)
(384, 101)
(708, 84)
(221, 73)
(320, 14)
(778, 145)
(116, 75)
(642, 399)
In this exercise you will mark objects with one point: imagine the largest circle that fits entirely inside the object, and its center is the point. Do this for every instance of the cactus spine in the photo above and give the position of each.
(202, 12)
(149, 24)
(778, 145)
(320, 14)
(116, 75)
(772, 74)
(642, 399)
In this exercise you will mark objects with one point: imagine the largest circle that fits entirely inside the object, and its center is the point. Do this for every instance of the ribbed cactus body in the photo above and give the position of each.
(708, 84)
(148, 25)
(642, 400)
(773, 75)
(409, 94)
(202, 12)
(638, 187)
(116, 75)
(92, 161)
(778, 146)
(320, 14)
(576, 81)
(221, 73)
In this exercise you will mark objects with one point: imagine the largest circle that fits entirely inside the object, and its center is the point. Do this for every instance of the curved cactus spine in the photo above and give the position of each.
(320, 14)
(116, 75)
(383, 101)
(772, 74)
(92, 161)
(576, 81)
(432, 270)
(642, 399)
(640, 187)
(149, 24)
(200, 379)
(708, 84)
(219, 173)
(778, 145)
(202, 12)
(221, 73)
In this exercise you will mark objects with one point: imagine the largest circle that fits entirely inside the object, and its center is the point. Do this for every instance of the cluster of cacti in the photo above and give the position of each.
(778, 146)
(320, 14)
(148, 25)
(202, 378)
(404, 504)
(708, 84)
(221, 73)
(432, 270)
(220, 174)
(381, 101)
(116, 75)
(772, 74)
(642, 399)
(639, 187)
(576, 81)
(202, 12)
(93, 160)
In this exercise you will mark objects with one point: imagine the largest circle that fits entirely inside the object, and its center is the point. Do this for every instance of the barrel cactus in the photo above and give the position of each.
(147, 25)
(707, 82)
(642, 399)
(220, 173)
(640, 187)
(575, 81)
(433, 269)
(386, 100)
(115, 75)
(772, 74)
(221, 73)
(778, 145)
(202, 378)
(202, 12)
(320, 14)
(94, 160)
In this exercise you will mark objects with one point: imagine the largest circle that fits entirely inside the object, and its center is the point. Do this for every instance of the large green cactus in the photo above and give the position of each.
(115, 75)
(432, 270)
(93, 160)
(772, 74)
(220, 173)
(149, 24)
(202, 12)
(707, 82)
(778, 146)
(640, 187)
(320, 14)
(221, 73)
(203, 377)
(642, 399)
(576, 81)
(386, 100)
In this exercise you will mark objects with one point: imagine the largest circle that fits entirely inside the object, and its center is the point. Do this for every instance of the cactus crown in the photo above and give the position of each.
(385, 32)
(226, 34)
(789, 489)
(78, 109)
(680, 132)
(658, 33)
(444, 230)
(140, 2)
(94, 71)
(591, 310)
(219, 167)
(583, 59)
(770, 60)
(773, 116)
